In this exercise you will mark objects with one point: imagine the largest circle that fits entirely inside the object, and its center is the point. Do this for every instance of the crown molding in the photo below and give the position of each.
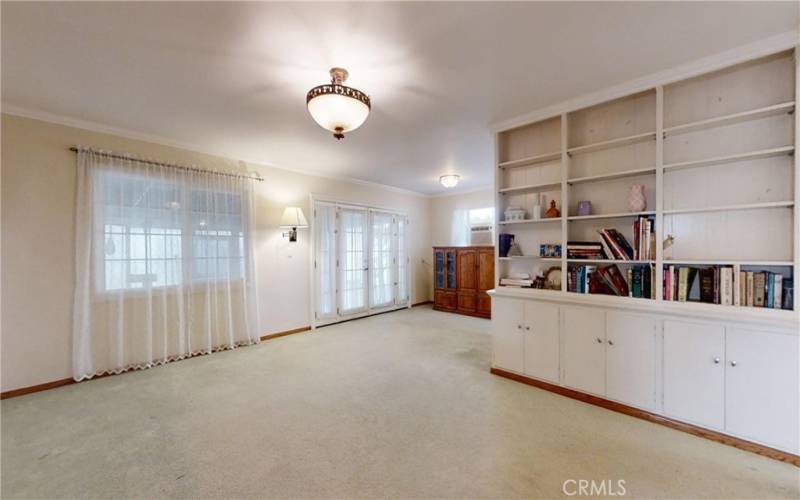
(67, 121)
(743, 53)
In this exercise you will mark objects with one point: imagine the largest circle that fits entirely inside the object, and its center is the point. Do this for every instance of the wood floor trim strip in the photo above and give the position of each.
(652, 417)
(285, 333)
(36, 388)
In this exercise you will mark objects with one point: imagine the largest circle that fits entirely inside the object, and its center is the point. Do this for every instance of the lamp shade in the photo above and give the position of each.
(293, 217)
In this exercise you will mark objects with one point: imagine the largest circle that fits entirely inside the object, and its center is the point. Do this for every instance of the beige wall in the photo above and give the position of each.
(442, 209)
(38, 198)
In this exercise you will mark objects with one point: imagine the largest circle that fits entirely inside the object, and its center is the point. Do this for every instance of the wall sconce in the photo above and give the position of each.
(292, 219)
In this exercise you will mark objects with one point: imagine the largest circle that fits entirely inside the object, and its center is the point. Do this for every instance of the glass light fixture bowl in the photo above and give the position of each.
(449, 180)
(337, 107)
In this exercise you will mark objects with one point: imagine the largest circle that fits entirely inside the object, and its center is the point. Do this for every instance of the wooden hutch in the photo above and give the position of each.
(462, 275)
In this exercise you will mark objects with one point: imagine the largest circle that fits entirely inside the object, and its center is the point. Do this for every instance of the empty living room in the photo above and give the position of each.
(398, 249)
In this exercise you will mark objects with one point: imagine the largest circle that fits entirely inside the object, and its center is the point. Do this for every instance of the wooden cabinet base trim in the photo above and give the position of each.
(719, 437)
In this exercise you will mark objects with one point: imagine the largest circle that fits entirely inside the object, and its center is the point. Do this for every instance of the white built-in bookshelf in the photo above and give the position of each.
(715, 154)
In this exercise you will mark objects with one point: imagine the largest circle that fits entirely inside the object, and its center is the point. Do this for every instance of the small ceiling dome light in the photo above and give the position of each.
(336, 107)
(450, 180)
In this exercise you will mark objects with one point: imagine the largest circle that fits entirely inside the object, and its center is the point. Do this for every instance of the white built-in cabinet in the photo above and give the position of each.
(710, 373)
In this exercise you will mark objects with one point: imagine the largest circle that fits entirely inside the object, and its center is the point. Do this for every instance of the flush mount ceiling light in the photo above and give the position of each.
(450, 180)
(336, 107)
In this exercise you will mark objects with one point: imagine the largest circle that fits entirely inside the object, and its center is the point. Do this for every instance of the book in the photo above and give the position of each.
(769, 299)
(741, 298)
(707, 285)
(736, 285)
(683, 282)
(613, 277)
(749, 289)
(627, 250)
(726, 286)
(759, 284)
(613, 244)
(788, 294)
(778, 294)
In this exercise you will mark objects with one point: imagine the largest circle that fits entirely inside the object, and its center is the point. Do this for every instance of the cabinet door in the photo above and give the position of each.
(694, 374)
(467, 269)
(507, 336)
(631, 359)
(450, 270)
(438, 268)
(761, 387)
(467, 302)
(486, 269)
(584, 341)
(541, 341)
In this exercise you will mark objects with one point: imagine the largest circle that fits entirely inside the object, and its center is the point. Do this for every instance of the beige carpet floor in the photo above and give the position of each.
(397, 405)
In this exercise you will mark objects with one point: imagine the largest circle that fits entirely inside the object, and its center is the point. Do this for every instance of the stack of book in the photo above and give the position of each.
(585, 250)
(728, 285)
(614, 244)
(644, 238)
(606, 280)
(517, 281)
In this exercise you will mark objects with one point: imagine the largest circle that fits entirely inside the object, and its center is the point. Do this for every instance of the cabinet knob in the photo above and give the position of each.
(733, 363)
(599, 340)
(519, 327)
(716, 361)
(528, 328)
(610, 343)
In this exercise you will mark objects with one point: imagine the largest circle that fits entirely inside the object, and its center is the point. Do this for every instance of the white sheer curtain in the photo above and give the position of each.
(164, 264)
(325, 259)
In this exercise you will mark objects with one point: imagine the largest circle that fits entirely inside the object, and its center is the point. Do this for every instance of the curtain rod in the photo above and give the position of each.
(170, 165)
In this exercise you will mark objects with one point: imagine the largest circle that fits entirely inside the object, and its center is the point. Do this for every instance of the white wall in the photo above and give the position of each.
(443, 207)
(38, 199)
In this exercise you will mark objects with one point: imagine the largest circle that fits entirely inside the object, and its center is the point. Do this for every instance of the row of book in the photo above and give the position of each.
(614, 246)
(637, 282)
(728, 285)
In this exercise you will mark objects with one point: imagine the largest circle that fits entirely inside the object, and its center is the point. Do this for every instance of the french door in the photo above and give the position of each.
(360, 261)
(353, 261)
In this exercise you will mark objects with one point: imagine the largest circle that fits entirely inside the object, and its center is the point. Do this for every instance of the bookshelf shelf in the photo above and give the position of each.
(721, 121)
(729, 208)
(765, 263)
(529, 221)
(531, 160)
(752, 155)
(612, 176)
(620, 215)
(526, 257)
(609, 261)
(547, 186)
(613, 143)
(742, 119)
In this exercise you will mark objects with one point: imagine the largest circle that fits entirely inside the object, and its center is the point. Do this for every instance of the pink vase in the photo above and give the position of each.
(636, 200)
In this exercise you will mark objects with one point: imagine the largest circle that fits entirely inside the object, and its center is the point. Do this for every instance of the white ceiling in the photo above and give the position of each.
(231, 78)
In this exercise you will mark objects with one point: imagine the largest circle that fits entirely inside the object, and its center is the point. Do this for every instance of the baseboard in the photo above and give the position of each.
(423, 303)
(68, 381)
(285, 333)
(36, 388)
(719, 437)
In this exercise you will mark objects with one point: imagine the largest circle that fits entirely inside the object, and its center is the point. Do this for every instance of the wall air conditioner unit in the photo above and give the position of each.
(480, 235)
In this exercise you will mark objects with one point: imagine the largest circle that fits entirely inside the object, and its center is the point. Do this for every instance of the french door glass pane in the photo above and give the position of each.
(325, 259)
(353, 261)
(402, 262)
(382, 266)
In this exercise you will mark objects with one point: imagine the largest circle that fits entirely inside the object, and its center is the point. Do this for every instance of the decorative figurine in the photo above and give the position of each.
(636, 200)
(515, 250)
(584, 208)
(552, 211)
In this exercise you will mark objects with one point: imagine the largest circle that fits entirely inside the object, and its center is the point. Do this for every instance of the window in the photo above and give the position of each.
(481, 217)
(158, 233)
